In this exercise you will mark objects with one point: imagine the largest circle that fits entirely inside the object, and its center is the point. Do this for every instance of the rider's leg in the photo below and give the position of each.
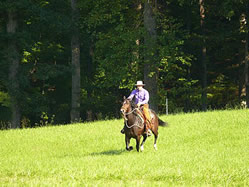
(148, 119)
(148, 127)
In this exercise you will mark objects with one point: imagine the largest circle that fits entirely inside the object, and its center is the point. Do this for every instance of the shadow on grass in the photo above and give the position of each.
(109, 153)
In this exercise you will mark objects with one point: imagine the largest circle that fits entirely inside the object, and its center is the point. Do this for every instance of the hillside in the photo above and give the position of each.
(196, 149)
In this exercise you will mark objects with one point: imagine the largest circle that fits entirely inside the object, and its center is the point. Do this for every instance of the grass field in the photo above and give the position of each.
(199, 149)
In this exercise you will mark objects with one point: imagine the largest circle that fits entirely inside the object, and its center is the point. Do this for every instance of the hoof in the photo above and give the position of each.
(142, 148)
(129, 149)
(155, 147)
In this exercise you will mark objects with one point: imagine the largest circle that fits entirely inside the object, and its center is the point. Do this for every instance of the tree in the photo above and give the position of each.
(75, 47)
(203, 58)
(14, 59)
(246, 59)
(150, 53)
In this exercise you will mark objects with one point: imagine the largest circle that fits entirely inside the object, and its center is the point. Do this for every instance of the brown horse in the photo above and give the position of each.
(134, 124)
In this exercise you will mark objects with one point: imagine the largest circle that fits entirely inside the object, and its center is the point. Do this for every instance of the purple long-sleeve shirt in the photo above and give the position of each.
(141, 96)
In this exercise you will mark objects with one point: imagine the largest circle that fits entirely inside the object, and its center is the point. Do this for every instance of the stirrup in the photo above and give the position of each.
(149, 133)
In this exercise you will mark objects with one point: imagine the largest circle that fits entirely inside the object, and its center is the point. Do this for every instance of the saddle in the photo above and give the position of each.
(141, 113)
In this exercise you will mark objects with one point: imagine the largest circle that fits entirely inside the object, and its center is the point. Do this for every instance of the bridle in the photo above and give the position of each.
(126, 120)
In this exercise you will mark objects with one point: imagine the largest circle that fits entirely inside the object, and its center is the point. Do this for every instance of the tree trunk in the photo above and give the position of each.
(246, 58)
(150, 61)
(203, 58)
(244, 79)
(13, 58)
(75, 47)
(89, 73)
(246, 72)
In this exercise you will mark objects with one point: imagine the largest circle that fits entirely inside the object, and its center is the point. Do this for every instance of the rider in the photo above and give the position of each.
(142, 98)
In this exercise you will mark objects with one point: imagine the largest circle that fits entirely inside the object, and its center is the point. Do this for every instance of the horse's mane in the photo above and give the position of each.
(133, 105)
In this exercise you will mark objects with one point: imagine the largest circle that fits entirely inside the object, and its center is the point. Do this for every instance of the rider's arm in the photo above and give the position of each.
(132, 95)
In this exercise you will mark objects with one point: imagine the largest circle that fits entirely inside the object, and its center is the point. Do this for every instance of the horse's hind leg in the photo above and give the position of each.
(142, 144)
(155, 132)
(155, 146)
(127, 143)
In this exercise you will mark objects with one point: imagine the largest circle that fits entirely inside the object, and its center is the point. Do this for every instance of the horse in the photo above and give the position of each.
(134, 124)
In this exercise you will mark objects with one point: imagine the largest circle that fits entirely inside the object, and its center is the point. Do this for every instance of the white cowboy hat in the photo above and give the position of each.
(139, 83)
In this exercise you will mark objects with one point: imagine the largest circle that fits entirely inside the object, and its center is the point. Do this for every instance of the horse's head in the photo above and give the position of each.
(126, 106)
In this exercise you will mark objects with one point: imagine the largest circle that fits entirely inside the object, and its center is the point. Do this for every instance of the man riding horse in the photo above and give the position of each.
(141, 99)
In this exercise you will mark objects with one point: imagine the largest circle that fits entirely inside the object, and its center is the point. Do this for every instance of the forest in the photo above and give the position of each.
(65, 61)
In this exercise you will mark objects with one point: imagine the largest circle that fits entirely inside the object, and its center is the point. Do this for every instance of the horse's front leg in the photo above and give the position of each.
(127, 142)
(138, 142)
(142, 144)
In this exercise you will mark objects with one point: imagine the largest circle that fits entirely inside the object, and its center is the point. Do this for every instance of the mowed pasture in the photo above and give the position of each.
(199, 149)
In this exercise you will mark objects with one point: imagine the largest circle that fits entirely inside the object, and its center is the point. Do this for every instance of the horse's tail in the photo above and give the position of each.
(162, 123)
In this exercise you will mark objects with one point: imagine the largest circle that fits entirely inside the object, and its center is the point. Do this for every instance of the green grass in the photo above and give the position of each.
(199, 149)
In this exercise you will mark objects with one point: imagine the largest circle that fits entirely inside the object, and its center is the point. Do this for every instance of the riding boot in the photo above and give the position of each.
(122, 131)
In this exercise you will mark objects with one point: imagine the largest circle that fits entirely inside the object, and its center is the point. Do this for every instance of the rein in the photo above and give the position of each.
(135, 124)
(130, 111)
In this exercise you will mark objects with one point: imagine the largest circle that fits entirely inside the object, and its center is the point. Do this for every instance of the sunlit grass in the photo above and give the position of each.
(209, 148)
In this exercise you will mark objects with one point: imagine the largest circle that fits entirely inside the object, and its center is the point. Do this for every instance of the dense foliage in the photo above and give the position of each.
(113, 52)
